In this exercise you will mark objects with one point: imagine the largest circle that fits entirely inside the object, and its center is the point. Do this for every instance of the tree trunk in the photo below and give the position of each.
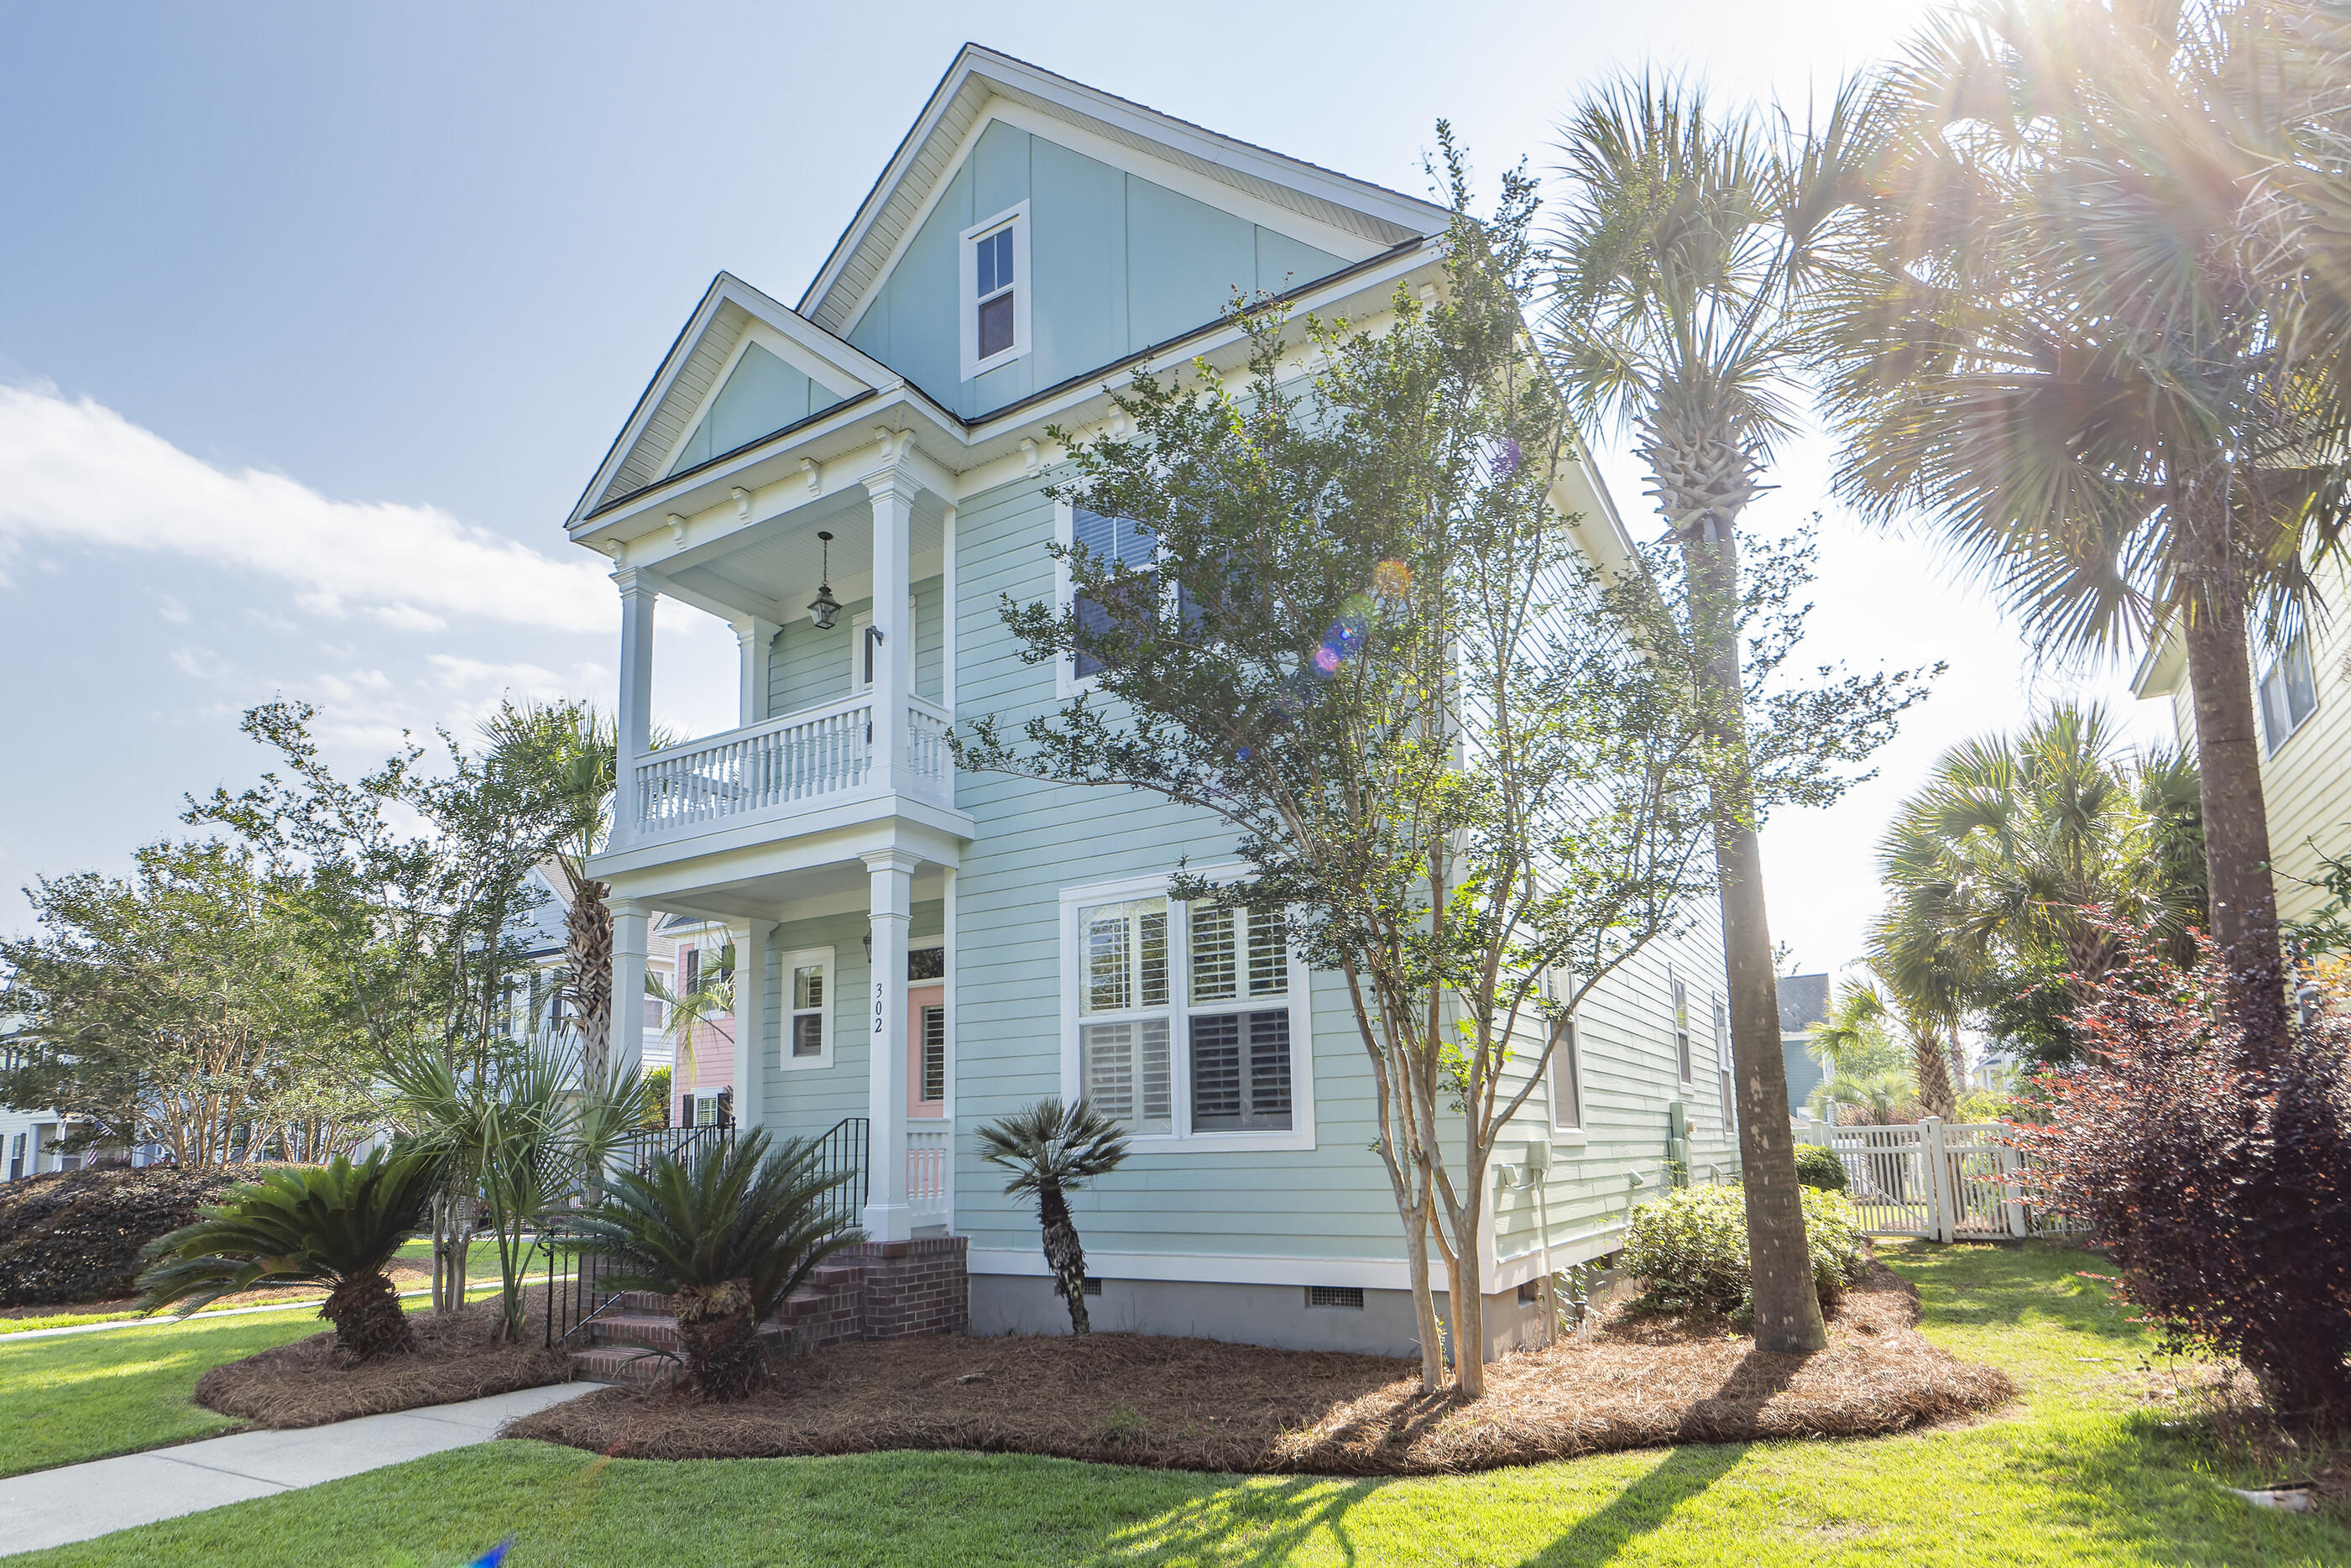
(2236, 821)
(588, 955)
(1787, 1308)
(1935, 1082)
(1064, 1256)
(1424, 1301)
(1469, 1291)
(723, 1354)
(365, 1310)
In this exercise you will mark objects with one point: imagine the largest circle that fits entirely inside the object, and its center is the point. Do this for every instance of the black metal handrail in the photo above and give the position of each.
(843, 1152)
(687, 1146)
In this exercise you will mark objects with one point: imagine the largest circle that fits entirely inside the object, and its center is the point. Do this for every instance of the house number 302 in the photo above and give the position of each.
(877, 1006)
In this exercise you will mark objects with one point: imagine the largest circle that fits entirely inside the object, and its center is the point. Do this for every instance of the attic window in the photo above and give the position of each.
(995, 275)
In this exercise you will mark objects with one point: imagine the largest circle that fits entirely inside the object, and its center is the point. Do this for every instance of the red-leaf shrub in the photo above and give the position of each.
(2221, 1184)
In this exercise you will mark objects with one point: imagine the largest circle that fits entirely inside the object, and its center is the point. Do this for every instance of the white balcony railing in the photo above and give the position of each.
(801, 758)
(930, 1172)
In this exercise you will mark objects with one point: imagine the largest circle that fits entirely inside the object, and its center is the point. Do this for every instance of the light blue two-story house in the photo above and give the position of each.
(855, 483)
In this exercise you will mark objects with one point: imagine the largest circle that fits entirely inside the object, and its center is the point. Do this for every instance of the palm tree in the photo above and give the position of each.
(1052, 1153)
(1685, 237)
(2071, 338)
(726, 1238)
(1855, 1043)
(2021, 855)
(337, 1224)
(709, 999)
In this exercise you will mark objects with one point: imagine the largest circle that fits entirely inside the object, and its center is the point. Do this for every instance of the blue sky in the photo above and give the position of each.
(314, 321)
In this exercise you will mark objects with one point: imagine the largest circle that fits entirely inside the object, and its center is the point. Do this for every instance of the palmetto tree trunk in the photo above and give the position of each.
(588, 955)
(1787, 1306)
(1064, 1255)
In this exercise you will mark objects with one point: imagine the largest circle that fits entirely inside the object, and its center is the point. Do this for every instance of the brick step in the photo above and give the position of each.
(618, 1363)
(640, 1329)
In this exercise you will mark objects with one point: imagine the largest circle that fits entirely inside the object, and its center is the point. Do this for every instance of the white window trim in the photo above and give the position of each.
(1677, 1030)
(785, 964)
(1067, 683)
(946, 983)
(1183, 1140)
(2273, 745)
(858, 683)
(968, 287)
(1567, 1132)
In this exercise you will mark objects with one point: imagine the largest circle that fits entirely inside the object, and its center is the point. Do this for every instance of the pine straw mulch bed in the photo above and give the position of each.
(310, 1382)
(405, 1276)
(1202, 1405)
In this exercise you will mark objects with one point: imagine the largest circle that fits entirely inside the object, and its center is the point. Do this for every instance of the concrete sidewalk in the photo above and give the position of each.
(75, 1502)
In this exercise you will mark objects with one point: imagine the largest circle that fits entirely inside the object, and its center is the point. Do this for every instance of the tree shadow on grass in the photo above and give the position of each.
(1644, 1506)
(1245, 1525)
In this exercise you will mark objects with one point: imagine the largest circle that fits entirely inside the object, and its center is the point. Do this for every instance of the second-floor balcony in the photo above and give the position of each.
(775, 770)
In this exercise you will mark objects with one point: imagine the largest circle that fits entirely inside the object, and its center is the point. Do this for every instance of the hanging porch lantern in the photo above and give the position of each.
(824, 609)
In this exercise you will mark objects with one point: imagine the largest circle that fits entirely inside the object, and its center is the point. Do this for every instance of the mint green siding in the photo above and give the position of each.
(762, 395)
(805, 1102)
(807, 668)
(1118, 263)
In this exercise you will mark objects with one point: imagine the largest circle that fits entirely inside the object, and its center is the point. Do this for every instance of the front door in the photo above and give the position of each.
(926, 1051)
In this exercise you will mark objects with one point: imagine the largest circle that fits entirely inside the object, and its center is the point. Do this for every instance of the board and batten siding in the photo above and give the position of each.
(1118, 264)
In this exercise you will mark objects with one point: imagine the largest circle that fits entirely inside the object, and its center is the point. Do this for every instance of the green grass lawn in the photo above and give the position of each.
(86, 1396)
(2080, 1469)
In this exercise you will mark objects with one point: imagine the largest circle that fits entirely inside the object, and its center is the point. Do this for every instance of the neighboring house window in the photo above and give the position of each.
(2289, 691)
(1681, 1025)
(808, 1017)
(995, 277)
(1187, 1019)
(1566, 1077)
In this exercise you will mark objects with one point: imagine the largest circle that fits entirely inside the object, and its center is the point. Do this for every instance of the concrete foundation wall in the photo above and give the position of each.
(1274, 1315)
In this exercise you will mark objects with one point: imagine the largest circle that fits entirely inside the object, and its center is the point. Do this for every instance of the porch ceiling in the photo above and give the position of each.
(778, 560)
(841, 888)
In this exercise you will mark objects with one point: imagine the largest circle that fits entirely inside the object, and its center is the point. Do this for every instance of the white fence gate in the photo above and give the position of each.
(1950, 1181)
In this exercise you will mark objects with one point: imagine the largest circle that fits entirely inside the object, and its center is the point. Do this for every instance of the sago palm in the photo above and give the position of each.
(726, 1238)
(336, 1225)
(2074, 339)
(1052, 1152)
(1685, 237)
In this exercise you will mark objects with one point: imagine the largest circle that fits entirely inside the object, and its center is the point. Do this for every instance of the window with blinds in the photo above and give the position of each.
(1106, 539)
(935, 1055)
(1239, 1054)
(806, 1030)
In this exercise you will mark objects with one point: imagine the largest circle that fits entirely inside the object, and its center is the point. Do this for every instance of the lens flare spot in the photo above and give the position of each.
(1391, 580)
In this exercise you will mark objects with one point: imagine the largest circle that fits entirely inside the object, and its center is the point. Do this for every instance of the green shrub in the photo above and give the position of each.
(1690, 1248)
(1817, 1167)
(76, 1235)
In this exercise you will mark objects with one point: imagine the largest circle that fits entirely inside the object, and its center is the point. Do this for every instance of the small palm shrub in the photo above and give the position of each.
(1690, 1248)
(336, 1225)
(726, 1238)
(1052, 1152)
(1817, 1167)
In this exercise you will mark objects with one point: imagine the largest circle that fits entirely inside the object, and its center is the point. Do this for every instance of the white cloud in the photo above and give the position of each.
(170, 611)
(76, 473)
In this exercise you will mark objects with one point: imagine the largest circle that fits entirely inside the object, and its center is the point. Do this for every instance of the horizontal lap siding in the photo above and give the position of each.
(805, 1101)
(1034, 840)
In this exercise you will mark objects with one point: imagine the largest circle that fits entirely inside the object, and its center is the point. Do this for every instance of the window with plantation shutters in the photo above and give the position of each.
(1123, 1001)
(1188, 1020)
(934, 1089)
(1106, 539)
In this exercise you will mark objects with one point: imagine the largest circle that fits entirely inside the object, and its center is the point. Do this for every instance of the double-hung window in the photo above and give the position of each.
(995, 282)
(1189, 1019)
(1104, 540)
(1124, 1018)
(1239, 1026)
(2289, 692)
(808, 1014)
(1680, 994)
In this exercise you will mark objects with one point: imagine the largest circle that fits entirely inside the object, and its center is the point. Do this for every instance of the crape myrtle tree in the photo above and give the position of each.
(1688, 236)
(417, 890)
(1461, 767)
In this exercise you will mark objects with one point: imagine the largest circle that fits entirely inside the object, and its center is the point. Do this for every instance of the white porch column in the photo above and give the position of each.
(754, 638)
(892, 491)
(887, 1217)
(753, 960)
(639, 594)
(628, 1044)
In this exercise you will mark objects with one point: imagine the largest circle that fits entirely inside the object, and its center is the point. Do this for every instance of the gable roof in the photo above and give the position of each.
(1373, 213)
(689, 373)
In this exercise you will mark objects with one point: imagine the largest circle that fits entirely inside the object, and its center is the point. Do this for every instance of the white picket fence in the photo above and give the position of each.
(1947, 1181)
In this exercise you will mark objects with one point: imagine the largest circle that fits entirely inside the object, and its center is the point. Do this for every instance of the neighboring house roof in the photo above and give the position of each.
(1804, 1002)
